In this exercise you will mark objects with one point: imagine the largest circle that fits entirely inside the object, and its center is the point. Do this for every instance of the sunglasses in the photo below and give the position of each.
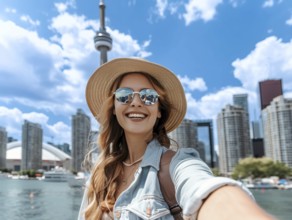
(126, 95)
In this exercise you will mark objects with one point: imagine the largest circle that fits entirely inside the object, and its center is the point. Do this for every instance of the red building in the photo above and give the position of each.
(269, 89)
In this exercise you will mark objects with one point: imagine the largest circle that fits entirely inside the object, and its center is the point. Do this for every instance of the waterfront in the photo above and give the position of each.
(39, 200)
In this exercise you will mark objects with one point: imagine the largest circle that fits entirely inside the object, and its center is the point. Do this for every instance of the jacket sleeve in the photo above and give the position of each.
(194, 181)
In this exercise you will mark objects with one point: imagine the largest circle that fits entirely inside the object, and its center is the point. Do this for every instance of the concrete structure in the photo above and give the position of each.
(205, 136)
(51, 157)
(102, 39)
(258, 147)
(269, 89)
(81, 127)
(65, 147)
(185, 134)
(277, 123)
(241, 100)
(233, 137)
(32, 139)
(3, 143)
(255, 125)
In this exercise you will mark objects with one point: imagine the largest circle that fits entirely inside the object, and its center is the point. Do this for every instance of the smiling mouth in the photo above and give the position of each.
(136, 116)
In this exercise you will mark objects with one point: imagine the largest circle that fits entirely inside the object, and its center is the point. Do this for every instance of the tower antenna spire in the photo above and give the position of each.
(102, 39)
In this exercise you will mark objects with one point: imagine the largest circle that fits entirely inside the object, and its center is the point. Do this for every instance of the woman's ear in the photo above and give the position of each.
(158, 114)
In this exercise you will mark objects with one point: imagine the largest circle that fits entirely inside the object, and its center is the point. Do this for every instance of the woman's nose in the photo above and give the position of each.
(136, 101)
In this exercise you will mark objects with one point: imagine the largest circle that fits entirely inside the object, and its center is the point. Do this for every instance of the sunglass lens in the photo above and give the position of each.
(148, 96)
(123, 95)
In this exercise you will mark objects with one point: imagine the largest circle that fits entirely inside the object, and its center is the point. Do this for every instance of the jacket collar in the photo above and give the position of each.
(152, 155)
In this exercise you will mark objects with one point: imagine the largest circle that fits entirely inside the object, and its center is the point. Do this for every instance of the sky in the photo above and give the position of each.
(217, 48)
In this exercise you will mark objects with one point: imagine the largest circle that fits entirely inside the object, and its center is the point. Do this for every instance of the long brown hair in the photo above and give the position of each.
(114, 150)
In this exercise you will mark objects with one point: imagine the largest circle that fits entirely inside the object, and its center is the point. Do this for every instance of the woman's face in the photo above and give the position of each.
(135, 117)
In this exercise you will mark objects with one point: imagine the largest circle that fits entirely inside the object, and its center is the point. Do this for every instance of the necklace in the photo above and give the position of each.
(126, 179)
(131, 164)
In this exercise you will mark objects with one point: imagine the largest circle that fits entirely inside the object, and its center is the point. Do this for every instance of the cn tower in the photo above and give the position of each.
(102, 39)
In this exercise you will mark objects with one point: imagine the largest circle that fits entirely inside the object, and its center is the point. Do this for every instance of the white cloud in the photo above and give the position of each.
(124, 45)
(193, 84)
(13, 119)
(289, 21)
(271, 59)
(191, 11)
(236, 3)
(268, 3)
(63, 6)
(10, 10)
(271, 3)
(161, 6)
(37, 63)
(200, 9)
(209, 105)
(51, 73)
(28, 19)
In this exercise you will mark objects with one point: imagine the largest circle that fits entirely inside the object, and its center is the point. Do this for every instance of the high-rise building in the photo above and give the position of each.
(11, 139)
(3, 145)
(206, 139)
(277, 123)
(32, 142)
(241, 100)
(81, 127)
(185, 134)
(258, 147)
(255, 125)
(233, 137)
(269, 89)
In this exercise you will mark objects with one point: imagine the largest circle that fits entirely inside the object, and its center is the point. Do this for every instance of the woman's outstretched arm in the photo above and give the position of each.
(231, 202)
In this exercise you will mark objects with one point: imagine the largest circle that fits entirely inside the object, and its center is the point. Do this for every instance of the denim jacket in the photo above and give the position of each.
(143, 199)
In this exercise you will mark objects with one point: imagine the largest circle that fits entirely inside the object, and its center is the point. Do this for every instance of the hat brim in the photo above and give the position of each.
(101, 81)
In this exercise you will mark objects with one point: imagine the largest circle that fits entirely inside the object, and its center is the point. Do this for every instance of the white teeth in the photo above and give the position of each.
(135, 115)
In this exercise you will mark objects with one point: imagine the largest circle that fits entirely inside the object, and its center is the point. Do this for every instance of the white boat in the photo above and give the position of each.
(78, 180)
(58, 174)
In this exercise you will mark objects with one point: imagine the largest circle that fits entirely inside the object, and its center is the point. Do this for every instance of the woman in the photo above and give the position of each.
(137, 103)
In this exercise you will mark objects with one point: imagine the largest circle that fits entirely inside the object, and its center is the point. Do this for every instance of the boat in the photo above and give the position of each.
(261, 186)
(58, 174)
(77, 181)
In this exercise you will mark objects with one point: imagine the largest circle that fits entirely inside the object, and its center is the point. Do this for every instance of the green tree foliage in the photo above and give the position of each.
(216, 171)
(259, 168)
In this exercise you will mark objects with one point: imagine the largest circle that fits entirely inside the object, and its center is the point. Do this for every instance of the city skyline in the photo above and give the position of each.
(221, 49)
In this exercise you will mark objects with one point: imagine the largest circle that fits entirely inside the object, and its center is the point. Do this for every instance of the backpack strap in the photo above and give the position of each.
(167, 186)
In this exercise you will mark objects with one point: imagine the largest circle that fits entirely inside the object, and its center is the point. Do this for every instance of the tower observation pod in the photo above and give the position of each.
(102, 39)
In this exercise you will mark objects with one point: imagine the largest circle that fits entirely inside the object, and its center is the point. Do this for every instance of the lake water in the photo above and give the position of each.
(39, 200)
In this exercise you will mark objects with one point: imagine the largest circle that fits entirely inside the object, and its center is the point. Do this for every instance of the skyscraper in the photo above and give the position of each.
(80, 138)
(269, 89)
(185, 134)
(241, 100)
(277, 123)
(206, 140)
(233, 137)
(255, 125)
(3, 145)
(32, 142)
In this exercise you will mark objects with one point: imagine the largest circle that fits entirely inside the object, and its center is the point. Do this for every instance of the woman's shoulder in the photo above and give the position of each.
(185, 157)
(186, 153)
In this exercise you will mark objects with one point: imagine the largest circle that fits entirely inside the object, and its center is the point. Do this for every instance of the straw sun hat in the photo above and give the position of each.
(99, 85)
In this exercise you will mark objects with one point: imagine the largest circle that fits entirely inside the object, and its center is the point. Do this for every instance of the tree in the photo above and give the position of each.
(259, 168)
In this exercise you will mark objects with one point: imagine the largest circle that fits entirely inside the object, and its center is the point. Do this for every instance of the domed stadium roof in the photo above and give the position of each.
(49, 152)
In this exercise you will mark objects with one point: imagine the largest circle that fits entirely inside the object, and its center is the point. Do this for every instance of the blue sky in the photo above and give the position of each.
(216, 47)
